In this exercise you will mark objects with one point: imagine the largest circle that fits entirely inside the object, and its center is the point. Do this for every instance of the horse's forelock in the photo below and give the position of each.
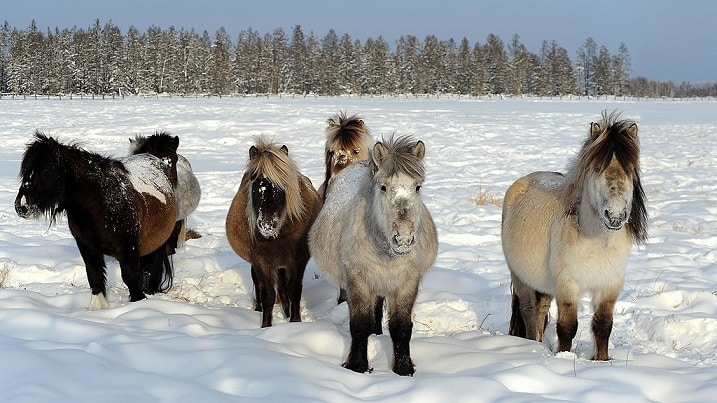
(347, 132)
(616, 138)
(276, 166)
(399, 158)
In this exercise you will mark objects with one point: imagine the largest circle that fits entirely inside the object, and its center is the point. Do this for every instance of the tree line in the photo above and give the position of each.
(102, 60)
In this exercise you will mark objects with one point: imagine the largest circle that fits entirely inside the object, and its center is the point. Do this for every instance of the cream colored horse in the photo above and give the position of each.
(566, 235)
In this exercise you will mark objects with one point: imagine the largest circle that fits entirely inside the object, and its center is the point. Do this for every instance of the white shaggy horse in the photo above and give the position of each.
(374, 237)
(564, 236)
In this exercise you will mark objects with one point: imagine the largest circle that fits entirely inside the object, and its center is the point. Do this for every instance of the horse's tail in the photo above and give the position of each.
(157, 267)
(327, 176)
(517, 324)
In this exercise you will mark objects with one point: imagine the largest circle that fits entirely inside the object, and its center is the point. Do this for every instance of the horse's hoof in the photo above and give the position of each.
(358, 367)
(404, 367)
(136, 298)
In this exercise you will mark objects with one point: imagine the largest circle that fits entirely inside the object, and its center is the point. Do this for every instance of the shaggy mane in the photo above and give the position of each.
(611, 136)
(347, 133)
(275, 165)
(400, 159)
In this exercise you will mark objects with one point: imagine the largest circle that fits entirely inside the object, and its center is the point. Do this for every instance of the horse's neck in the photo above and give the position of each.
(587, 219)
(86, 170)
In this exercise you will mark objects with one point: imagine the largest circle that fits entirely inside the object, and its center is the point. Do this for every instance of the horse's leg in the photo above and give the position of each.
(342, 296)
(95, 268)
(524, 297)
(131, 272)
(517, 325)
(602, 324)
(361, 322)
(542, 302)
(567, 299)
(378, 315)
(182, 236)
(400, 326)
(266, 295)
(282, 288)
(296, 285)
(257, 289)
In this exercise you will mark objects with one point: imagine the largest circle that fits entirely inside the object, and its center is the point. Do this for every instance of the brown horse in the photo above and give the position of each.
(347, 140)
(268, 225)
(564, 236)
(121, 208)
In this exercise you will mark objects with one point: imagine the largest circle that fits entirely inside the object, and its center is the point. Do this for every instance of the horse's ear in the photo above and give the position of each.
(379, 152)
(419, 150)
(285, 149)
(253, 152)
(175, 142)
(594, 130)
(632, 130)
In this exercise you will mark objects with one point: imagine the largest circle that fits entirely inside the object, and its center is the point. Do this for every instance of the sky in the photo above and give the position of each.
(667, 40)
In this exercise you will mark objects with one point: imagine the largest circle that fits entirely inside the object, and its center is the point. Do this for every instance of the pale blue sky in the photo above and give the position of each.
(668, 40)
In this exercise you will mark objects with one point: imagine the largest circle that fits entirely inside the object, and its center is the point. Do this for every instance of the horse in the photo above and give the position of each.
(188, 191)
(375, 237)
(348, 140)
(566, 235)
(121, 208)
(268, 224)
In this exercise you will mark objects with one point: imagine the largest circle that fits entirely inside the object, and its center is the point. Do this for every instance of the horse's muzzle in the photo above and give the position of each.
(615, 222)
(23, 209)
(402, 244)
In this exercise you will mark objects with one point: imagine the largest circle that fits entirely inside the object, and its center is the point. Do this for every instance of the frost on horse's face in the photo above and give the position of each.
(268, 202)
(397, 197)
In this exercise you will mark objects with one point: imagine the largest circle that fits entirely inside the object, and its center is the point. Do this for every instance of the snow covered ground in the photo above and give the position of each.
(202, 342)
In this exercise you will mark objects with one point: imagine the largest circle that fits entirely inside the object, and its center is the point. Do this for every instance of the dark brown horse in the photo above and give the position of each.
(121, 208)
(268, 224)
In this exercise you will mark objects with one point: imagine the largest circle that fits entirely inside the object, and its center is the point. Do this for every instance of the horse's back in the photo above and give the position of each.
(157, 204)
(326, 233)
(530, 207)
(188, 191)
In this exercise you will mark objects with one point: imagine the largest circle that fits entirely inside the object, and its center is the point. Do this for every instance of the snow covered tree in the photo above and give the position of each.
(464, 67)
(219, 64)
(329, 65)
(497, 65)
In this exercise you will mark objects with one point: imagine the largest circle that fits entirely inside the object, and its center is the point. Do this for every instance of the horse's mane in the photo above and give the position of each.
(69, 159)
(43, 147)
(612, 136)
(274, 164)
(399, 158)
(142, 144)
(347, 132)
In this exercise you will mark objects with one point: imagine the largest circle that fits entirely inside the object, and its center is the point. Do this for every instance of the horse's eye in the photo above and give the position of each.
(383, 188)
(357, 151)
(418, 188)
